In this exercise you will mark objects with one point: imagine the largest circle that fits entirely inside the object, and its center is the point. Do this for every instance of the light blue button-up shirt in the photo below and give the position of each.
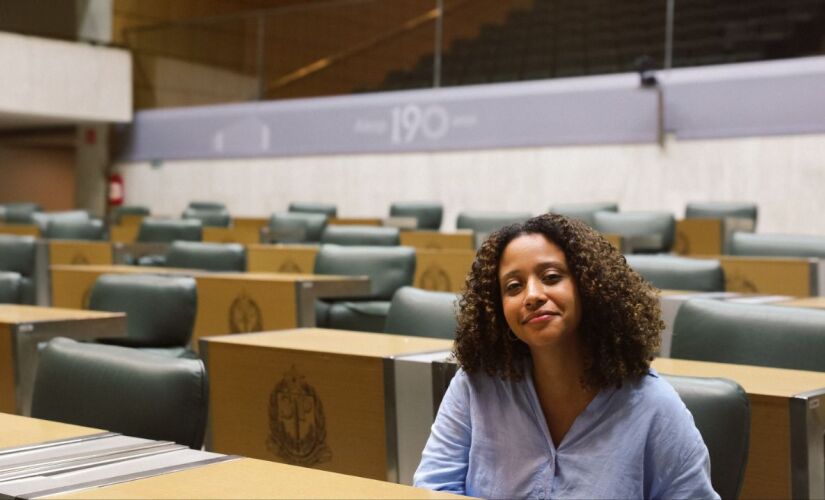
(490, 440)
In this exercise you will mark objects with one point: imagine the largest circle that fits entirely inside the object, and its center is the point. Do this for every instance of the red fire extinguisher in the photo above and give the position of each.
(115, 190)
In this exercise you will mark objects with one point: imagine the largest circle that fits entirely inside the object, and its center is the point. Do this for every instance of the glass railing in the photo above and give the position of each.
(353, 46)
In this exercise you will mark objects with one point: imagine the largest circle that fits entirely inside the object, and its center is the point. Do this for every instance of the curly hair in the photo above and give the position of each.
(621, 318)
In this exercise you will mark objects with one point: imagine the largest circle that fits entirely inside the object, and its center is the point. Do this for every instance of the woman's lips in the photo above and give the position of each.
(539, 318)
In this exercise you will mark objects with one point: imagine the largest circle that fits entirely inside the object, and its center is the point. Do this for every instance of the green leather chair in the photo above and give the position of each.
(43, 219)
(169, 230)
(750, 334)
(721, 210)
(212, 214)
(207, 256)
(91, 229)
(214, 206)
(422, 313)
(160, 310)
(647, 232)
(296, 227)
(21, 212)
(679, 273)
(17, 254)
(584, 211)
(487, 222)
(777, 245)
(721, 410)
(314, 208)
(361, 236)
(427, 215)
(122, 390)
(119, 212)
(10, 287)
(389, 268)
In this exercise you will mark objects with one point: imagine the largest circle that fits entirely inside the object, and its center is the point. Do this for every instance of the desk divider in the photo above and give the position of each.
(771, 275)
(281, 258)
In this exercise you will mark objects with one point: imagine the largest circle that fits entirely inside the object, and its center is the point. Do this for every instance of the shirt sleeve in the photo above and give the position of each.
(692, 478)
(445, 459)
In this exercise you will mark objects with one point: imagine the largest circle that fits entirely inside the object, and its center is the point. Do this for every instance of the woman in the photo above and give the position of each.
(555, 397)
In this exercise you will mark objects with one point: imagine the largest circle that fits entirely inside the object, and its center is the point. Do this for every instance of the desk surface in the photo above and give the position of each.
(13, 314)
(252, 479)
(336, 342)
(809, 302)
(20, 431)
(756, 380)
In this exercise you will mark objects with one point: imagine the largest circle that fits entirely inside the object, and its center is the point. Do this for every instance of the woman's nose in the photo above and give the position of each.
(535, 295)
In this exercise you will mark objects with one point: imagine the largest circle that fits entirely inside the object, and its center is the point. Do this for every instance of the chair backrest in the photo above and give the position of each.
(389, 268)
(43, 219)
(214, 206)
(207, 256)
(18, 254)
(208, 217)
(91, 229)
(361, 236)
(721, 210)
(721, 410)
(428, 215)
(21, 212)
(584, 211)
(750, 334)
(160, 310)
(487, 222)
(646, 231)
(297, 227)
(122, 390)
(10, 287)
(679, 273)
(777, 245)
(422, 313)
(169, 230)
(119, 212)
(314, 208)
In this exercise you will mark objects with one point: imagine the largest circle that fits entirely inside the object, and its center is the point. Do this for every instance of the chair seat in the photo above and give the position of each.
(364, 316)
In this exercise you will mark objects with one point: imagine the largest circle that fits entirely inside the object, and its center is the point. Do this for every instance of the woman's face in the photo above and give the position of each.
(538, 293)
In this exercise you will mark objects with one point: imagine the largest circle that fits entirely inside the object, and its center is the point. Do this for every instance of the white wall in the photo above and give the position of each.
(784, 175)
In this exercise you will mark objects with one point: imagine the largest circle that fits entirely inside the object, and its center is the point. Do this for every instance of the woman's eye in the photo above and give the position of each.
(512, 287)
(552, 278)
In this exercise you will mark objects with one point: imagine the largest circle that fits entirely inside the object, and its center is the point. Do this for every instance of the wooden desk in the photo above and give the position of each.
(699, 237)
(343, 381)
(442, 270)
(124, 233)
(779, 408)
(227, 302)
(355, 221)
(244, 234)
(22, 431)
(281, 258)
(770, 275)
(20, 229)
(436, 240)
(254, 479)
(23, 327)
(80, 252)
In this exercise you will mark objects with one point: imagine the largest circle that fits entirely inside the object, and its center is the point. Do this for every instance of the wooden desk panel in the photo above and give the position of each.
(442, 270)
(245, 235)
(355, 221)
(20, 229)
(435, 240)
(281, 258)
(124, 233)
(8, 399)
(254, 479)
(80, 253)
(769, 390)
(699, 237)
(21, 431)
(767, 275)
(258, 380)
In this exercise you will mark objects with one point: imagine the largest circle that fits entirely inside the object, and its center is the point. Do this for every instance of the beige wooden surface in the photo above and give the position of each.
(8, 397)
(808, 302)
(131, 219)
(614, 239)
(245, 234)
(339, 376)
(14, 314)
(281, 258)
(20, 229)
(769, 389)
(699, 237)
(769, 275)
(435, 240)
(20, 431)
(124, 233)
(354, 221)
(254, 479)
(80, 253)
(442, 270)
(251, 222)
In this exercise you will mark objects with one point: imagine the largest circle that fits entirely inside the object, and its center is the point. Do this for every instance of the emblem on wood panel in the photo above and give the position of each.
(735, 282)
(289, 266)
(245, 315)
(435, 278)
(297, 427)
(80, 260)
